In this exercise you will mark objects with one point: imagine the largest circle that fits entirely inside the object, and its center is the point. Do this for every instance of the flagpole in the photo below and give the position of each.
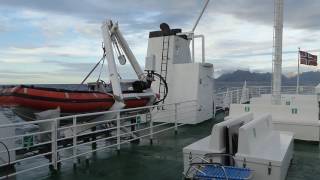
(298, 75)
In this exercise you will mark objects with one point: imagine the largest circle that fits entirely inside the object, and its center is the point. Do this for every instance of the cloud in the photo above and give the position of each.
(57, 25)
(238, 34)
(4, 24)
(82, 69)
(75, 49)
(298, 14)
(54, 71)
(141, 13)
(3, 28)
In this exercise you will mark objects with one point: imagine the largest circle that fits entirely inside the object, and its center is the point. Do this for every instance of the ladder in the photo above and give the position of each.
(164, 65)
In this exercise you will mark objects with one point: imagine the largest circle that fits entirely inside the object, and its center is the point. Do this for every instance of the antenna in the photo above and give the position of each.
(202, 11)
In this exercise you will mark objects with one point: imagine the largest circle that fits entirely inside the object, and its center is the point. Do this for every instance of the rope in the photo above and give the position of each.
(101, 69)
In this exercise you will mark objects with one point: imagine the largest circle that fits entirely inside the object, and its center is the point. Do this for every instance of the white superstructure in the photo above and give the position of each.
(186, 80)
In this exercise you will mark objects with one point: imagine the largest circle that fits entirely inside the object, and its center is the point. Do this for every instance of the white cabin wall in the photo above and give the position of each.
(179, 53)
(181, 50)
(205, 91)
(187, 81)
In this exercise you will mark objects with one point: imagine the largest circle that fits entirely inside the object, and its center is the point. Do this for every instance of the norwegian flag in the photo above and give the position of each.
(308, 59)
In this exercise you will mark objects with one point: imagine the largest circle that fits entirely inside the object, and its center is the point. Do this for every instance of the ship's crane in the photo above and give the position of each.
(114, 40)
(113, 37)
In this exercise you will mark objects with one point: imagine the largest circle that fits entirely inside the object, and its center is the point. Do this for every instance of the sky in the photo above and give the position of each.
(45, 41)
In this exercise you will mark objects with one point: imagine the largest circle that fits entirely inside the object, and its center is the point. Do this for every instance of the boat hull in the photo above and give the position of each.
(69, 102)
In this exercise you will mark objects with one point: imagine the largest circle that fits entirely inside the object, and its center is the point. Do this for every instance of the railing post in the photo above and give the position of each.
(74, 135)
(176, 118)
(238, 96)
(54, 144)
(214, 104)
(151, 129)
(118, 132)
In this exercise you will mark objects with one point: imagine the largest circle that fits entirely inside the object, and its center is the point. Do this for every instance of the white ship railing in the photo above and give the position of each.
(56, 133)
(235, 93)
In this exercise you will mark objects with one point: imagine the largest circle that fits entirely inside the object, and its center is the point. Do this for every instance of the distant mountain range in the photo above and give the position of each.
(254, 78)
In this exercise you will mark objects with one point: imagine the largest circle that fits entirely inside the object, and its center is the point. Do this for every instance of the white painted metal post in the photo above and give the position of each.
(195, 26)
(277, 56)
(214, 104)
(54, 144)
(229, 97)
(298, 75)
(151, 129)
(202, 47)
(193, 55)
(238, 96)
(118, 131)
(74, 135)
(176, 118)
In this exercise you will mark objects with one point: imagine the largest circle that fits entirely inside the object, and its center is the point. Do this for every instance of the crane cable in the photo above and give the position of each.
(101, 69)
(102, 59)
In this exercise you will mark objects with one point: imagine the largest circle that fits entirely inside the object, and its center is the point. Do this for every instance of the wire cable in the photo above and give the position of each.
(102, 65)
(102, 59)
(166, 88)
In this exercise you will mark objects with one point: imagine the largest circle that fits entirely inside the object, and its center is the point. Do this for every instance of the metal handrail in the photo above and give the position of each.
(257, 91)
(149, 129)
(94, 114)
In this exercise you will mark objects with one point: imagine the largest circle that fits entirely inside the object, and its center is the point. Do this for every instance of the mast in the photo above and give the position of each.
(277, 53)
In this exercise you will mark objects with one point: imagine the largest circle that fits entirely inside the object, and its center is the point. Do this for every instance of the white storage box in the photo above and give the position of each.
(265, 151)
